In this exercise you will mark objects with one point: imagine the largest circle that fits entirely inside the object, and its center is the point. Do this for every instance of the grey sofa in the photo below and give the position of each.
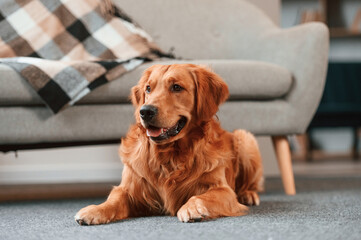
(276, 77)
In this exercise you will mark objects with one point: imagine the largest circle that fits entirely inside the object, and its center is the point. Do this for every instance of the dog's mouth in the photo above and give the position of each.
(159, 134)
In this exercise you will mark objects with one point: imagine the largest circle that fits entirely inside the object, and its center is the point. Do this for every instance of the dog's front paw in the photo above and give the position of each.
(193, 211)
(249, 198)
(94, 214)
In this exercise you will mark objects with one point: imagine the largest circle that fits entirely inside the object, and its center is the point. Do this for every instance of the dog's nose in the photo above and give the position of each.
(147, 112)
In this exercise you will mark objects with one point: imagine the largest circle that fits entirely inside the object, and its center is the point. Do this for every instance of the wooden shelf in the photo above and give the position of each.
(329, 13)
(343, 32)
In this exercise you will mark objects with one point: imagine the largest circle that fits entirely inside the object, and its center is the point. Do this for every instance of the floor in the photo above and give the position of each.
(324, 208)
(328, 168)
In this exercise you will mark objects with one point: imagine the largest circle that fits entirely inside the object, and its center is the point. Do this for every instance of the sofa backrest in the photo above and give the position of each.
(201, 29)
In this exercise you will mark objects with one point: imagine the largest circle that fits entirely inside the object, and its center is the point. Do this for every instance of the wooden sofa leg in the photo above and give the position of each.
(283, 154)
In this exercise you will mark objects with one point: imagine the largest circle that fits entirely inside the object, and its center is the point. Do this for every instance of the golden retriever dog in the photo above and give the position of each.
(177, 158)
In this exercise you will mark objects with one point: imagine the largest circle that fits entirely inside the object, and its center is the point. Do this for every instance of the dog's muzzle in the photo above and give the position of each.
(148, 112)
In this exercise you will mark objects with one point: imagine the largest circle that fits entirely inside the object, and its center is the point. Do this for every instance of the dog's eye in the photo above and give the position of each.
(176, 88)
(147, 89)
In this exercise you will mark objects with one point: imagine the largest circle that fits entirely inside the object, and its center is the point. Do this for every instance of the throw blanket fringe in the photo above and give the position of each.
(107, 7)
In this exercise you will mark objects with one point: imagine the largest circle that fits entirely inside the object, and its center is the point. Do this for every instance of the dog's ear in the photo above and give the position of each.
(211, 91)
(137, 92)
(136, 95)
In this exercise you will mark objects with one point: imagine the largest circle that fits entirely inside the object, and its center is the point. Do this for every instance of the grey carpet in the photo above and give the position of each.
(322, 209)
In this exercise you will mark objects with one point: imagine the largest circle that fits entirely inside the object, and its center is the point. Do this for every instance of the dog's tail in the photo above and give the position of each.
(246, 148)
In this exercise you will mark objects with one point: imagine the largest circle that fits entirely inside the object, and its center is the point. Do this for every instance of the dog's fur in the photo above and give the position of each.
(202, 172)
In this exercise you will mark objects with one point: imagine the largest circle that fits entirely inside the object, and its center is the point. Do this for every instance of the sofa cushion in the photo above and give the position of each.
(36, 124)
(247, 80)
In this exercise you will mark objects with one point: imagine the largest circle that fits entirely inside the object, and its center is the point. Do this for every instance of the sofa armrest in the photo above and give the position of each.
(303, 50)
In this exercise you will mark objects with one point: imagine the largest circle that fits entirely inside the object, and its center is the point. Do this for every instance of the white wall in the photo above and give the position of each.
(83, 164)
(270, 7)
(61, 165)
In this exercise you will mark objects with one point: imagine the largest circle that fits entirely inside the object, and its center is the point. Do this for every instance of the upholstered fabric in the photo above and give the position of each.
(78, 123)
(246, 80)
(112, 121)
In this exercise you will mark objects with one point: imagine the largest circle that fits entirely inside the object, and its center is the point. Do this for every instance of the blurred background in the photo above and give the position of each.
(331, 146)
(332, 143)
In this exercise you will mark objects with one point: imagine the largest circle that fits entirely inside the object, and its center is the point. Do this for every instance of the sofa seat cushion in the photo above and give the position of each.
(247, 80)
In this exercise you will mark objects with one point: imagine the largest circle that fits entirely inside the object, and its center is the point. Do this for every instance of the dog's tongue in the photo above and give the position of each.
(154, 132)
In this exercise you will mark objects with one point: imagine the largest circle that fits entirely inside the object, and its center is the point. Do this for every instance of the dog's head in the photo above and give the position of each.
(170, 99)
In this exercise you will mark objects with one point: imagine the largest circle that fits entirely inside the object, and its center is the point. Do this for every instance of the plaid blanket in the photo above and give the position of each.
(67, 48)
